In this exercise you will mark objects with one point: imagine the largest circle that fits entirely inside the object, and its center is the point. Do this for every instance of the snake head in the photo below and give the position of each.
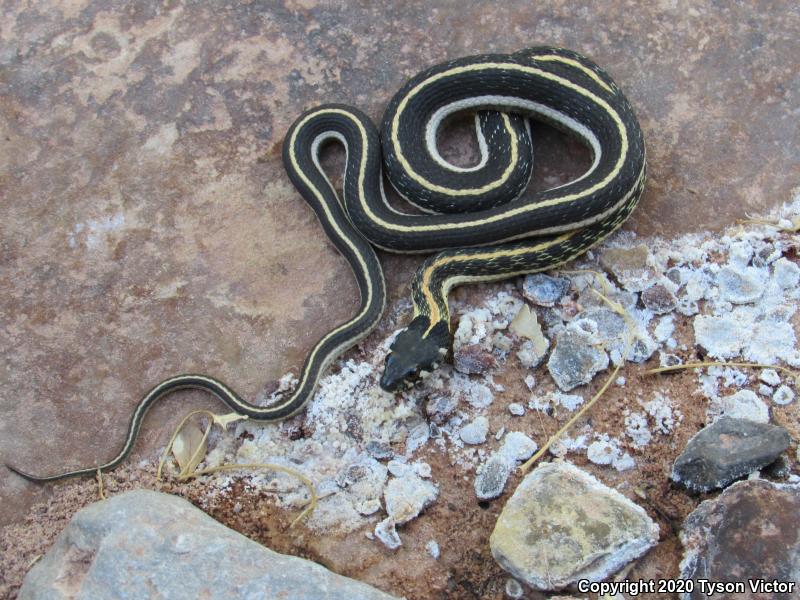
(415, 352)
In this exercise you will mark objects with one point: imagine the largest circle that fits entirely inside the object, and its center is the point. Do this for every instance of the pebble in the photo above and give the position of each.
(783, 395)
(727, 450)
(439, 407)
(658, 299)
(398, 468)
(517, 447)
(562, 524)
(516, 409)
(530, 382)
(630, 266)
(514, 589)
(432, 548)
(407, 496)
(770, 377)
(747, 532)
(741, 286)
(601, 452)
(492, 475)
(379, 450)
(744, 404)
(475, 433)
(142, 544)
(575, 359)
(418, 436)
(665, 359)
(786, 273)
(473, 359)
(386, 532)
(544, 290)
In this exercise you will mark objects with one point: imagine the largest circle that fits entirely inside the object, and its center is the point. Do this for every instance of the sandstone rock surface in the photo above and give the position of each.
(144, 544)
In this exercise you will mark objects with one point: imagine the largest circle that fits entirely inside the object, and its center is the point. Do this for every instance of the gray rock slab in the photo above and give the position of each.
(144, 544)
(562, 525)
(727, 450)
(747, 532)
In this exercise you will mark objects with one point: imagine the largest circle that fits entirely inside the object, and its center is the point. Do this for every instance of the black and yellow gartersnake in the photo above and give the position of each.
(480, 225)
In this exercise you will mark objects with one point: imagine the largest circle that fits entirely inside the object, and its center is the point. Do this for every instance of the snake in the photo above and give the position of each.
(477, 223)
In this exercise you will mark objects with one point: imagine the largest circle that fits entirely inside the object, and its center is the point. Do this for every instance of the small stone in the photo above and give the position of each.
(748, 532)
(398, 468)
(665, 359)
(432, 548)
(740, 254)
(516, 409)
(525, 324)
(475, 433)
(744, 404)
(623, 462)
(473, 359)
(575, 360)
(741, 286)
(544, 290)
(142, 544)
(786, 273)
(502, 342)
(562, 525)
(418, 436)
(765, 390)
(783, 395)
(770, 377)
(379, 450)
(530, 356)
(441, 406)
(721, 336)
(602, 452)
(386, 532)
(407, 496)
(422, 469)
(491, 478)
(658, 299)
(727, 450)
(568, 401)
(514, 589)
(368, 507)
(492, 475)
(530, 382)
(517, 447)
(630, 266)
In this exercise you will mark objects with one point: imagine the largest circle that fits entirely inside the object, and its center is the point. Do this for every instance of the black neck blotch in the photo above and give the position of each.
(415, 352)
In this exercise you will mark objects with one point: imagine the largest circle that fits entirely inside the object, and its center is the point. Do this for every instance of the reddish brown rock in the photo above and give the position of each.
(748, 532)
(148, 227)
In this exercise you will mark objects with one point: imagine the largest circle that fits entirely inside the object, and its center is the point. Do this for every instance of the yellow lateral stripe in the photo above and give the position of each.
(577, 65)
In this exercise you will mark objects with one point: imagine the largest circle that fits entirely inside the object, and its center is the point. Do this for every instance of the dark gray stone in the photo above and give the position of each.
(544, 290)
(727, 450)
(144, 544)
